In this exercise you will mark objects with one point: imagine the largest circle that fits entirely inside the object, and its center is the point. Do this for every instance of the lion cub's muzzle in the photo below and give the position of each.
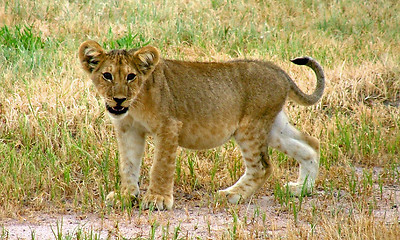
(118, 109)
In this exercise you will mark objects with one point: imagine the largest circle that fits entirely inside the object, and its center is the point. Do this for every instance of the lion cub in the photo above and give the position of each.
(200, 105)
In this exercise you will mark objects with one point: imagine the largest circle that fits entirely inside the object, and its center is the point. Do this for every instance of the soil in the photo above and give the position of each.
(191, 222)
(261, 217)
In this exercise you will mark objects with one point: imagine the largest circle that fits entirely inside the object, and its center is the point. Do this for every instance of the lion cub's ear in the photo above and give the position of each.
(146, 58)
(90, 55)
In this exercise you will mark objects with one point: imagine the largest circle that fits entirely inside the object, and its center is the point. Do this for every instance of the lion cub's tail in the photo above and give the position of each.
(299, 96)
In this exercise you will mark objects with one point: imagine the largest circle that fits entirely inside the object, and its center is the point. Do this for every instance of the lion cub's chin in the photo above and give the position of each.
(117, 116)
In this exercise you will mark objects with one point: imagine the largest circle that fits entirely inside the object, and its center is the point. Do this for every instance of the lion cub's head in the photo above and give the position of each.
(118, 74)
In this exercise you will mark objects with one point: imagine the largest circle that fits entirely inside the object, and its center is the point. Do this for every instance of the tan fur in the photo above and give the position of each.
(199, 105)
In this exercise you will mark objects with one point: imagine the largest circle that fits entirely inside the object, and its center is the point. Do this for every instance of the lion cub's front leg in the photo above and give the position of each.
(160, 191)
(131, 144)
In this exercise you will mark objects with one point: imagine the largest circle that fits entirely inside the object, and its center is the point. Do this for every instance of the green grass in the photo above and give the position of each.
(57, 146)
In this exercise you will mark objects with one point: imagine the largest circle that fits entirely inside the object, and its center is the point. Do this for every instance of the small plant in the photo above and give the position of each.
(58, 232)
(353, 181)
(153, 227)
(234, 171)
(20, 38)
(380, 185)
(233, 232)
(192, 164)
(283, 195)
(295, 211)
(33, 235)
(367, 181)
(209, 227)
(4, 234)
(177, 231)
(288, 201)
(128, 41)
(165, 231)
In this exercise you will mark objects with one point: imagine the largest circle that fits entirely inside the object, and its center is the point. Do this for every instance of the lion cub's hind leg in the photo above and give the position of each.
(300, 146)
(252, 140)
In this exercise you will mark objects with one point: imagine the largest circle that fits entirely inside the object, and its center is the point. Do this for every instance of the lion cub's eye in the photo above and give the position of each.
(130, 77)
(107, 76)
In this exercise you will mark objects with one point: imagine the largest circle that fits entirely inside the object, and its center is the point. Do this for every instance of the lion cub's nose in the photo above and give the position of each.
(119, 101)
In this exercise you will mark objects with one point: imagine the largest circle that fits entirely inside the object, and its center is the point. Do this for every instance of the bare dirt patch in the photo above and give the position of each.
(181, 221)
(262, 217)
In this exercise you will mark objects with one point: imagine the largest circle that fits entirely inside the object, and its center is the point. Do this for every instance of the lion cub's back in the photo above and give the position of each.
(211, 98)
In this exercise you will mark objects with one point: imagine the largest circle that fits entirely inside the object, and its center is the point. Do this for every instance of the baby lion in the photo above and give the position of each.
(200, 105)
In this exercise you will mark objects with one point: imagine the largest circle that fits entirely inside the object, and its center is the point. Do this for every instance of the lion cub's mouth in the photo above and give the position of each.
(117, 110)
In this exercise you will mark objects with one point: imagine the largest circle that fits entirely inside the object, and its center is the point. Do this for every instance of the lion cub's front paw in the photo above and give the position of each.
(129, 194)
(113, 199)
(158, 201)
(232, 197)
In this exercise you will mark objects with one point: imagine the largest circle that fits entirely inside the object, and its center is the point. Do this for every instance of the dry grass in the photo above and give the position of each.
(57, 147)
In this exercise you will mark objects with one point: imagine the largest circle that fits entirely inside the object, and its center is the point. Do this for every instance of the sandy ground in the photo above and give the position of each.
(260, 218)
(188, 222)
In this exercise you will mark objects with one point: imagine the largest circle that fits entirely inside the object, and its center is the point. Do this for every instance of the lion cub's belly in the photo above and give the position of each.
(205, 135)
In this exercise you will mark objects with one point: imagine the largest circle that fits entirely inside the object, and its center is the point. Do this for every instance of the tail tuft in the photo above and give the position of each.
(301, 60)
(299, 96)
